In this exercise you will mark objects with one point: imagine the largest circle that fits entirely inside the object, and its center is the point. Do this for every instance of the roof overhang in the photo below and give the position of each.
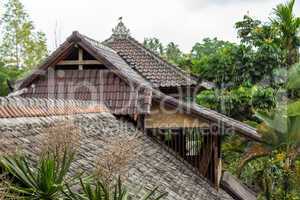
(207, 114)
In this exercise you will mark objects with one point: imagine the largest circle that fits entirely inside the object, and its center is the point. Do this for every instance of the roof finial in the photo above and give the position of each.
(120, 31)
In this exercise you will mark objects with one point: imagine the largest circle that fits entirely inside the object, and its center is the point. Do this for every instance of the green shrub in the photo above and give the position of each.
(240, 102)
(96, 189)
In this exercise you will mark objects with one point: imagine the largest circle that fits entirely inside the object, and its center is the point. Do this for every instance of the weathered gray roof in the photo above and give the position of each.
(152, 165)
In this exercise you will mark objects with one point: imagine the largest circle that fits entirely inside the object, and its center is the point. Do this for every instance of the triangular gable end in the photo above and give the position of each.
(96, 54)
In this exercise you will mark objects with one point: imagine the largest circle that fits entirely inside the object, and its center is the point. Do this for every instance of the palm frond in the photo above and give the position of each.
(255, 151)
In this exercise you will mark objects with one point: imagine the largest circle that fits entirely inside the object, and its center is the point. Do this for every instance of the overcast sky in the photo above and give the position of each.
(182, 21)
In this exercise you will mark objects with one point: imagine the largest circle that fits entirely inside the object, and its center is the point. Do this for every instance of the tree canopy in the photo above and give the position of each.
(21, 46)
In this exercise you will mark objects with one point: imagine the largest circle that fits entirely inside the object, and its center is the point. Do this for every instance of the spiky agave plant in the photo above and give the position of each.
(43, 181)
(96, 189)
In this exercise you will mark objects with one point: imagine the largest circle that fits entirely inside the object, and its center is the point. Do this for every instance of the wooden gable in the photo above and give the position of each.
(84, 73)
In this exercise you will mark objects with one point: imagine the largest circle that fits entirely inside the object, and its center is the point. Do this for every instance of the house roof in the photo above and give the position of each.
(14, 107)
(152, 67)
(151, 166)
(103, 53)
(122, 67)
(219, 119)
(111, 58)
(117, 100)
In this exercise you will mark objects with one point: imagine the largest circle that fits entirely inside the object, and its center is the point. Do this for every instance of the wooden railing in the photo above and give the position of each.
(195, 146)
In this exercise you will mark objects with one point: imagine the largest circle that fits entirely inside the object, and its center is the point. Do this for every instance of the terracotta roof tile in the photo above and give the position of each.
(14, 107)
(156, 70)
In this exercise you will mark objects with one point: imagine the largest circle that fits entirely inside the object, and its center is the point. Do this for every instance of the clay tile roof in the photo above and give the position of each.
(152, 67)
(115, 60)
(14, 107)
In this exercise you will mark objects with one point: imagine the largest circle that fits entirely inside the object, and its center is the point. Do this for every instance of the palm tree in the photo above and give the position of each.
(289, 26)
(280, 131)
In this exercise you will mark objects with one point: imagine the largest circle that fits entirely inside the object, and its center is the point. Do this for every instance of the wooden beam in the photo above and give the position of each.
(78, 62)
(80, 59)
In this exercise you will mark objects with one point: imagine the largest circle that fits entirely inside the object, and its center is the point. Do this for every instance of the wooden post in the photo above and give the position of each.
(80, 58)
(217, 167)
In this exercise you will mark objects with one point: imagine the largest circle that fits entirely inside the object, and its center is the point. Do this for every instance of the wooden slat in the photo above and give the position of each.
(78, 62)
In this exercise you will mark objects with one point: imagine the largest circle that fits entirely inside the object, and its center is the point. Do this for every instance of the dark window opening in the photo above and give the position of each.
(66, 67)
(87, 56)
(73, 55)
(86, 67)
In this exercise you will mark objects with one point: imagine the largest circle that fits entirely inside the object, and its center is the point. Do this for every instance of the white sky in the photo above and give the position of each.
(183, 21)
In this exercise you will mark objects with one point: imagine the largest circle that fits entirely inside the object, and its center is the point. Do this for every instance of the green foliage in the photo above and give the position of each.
(170, 52)
(293, 82)
(263, 99)
(185, 62)
(207, 47)
(21, 45)
(288, 25)
(233, 65)
(240, 102)
(217, 66)
(173, 53)
(43, 182)
(281, 141)
(254, 33)
(154, 45)
(47, 180)
(209, 99)
(8, 74)
(95, 189)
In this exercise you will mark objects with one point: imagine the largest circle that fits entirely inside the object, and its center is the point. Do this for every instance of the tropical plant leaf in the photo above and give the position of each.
(255, 151)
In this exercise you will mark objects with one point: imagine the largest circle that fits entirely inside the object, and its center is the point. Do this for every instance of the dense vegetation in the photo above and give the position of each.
(21, 46)
(257, 81)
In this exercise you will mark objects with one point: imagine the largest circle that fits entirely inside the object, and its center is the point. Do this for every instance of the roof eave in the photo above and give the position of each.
(210, 115)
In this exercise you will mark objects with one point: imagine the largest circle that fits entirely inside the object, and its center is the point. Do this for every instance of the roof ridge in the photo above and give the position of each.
(160, 59)
(99, 44)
